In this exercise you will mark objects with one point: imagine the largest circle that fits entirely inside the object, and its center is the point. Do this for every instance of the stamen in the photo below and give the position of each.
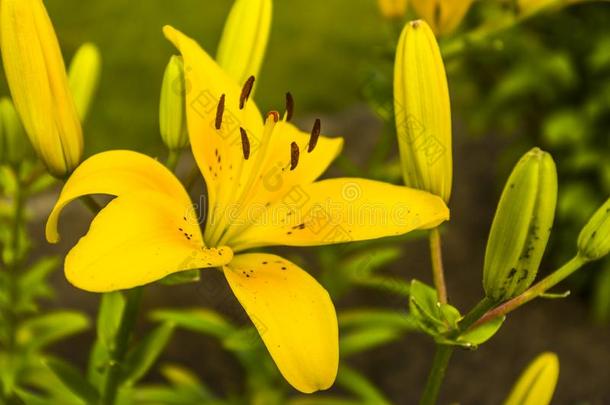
(289, 106)
(275, 115)
(219, 111)
(315, 134)
(245, 92)
(294, 155)
(245, 143)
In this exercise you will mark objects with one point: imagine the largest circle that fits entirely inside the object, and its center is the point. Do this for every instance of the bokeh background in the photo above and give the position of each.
(544, 83)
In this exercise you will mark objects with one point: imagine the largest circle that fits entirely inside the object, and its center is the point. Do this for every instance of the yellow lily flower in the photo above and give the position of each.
(444, 16)
(37, 78)
(261, 191)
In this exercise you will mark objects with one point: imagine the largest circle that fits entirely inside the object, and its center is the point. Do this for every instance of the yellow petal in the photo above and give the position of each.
(116, 173)
(444, 16)
(294, 316)
(392, 9)
(218, 153)
(423, 114)
(244, 39)
(137, 239)
(275, 178)
(38, 82)
(537, 383)
(342, 210)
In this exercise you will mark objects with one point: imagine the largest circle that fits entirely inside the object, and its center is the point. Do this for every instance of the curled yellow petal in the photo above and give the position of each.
(293, 315)
(537, 383)
(116, 173)
(137, 239)
(444, 16)
(244, 39)
(38, 82)
(422, 110)
(342, 210)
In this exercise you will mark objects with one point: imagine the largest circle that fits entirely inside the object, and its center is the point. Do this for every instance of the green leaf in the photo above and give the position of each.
(29, 398)
(365, 339)
(359, 385)
(554, 296)
(43, 330)
(99, 359)
(198, 320)
(425, 308)
(601, 295)
(186, 380)
(73, 380)
(376, 318)
(141, 358)
(482, 333)
(109, 316)
(363, 264)
(182, 277)
(391, 285)
(155, 395)
(244, 339)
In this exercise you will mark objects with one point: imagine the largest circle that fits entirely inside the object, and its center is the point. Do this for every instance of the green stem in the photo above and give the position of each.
(438, 274)
(172, 159)
(476, 313)
(121, 344)
(539, 288)
(437, 374)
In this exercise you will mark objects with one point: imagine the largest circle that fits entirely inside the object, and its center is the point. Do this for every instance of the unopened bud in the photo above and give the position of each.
(422, 111)
(84, 75)
(521, 226)
(244, 39)
(36, 76)
(537, 383)
(594, 239)
(172, 114)
(14, 143)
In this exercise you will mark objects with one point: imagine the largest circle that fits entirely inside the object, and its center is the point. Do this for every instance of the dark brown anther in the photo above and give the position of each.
(245, 92)
(289, 106)
(315, 134)
(275, 115)
(294, 155)
(245, 143)
(219, 111)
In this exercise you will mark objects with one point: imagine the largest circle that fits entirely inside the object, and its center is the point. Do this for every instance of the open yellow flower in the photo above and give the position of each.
(261, 191)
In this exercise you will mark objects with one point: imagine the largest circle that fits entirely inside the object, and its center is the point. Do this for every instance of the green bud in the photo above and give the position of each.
(594, 239)
(172, 109)
(14, 143)
(521, 226)
(83, 77)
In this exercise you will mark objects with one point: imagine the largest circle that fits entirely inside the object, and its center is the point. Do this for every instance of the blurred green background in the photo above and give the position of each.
(545, 83)
(315, 49)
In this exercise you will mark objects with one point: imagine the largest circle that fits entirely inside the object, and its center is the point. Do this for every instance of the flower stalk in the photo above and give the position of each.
(438, 273)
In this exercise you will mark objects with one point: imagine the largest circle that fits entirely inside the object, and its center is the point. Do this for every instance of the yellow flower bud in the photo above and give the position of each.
(537, 383)
(444, 16)
(172, 111)
(83, 76)
(422, 111)
(244, 39)
(594, 239)
(14, 144)
(392, 9)
(521, 226)
(38, 82)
